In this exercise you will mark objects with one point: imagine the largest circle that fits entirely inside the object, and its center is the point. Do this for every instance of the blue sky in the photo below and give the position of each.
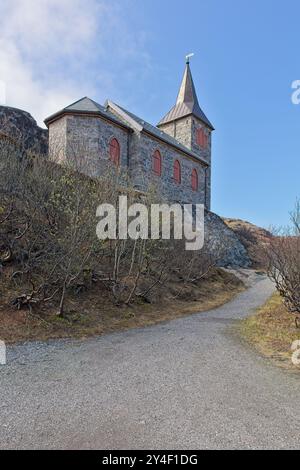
(132, 51)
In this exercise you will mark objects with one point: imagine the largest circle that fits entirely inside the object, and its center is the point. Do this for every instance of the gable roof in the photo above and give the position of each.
(154, 131)
(187, 102)
(86, 106)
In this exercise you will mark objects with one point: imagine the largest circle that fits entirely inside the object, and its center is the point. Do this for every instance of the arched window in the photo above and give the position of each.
(114, 151)
(202, 138)
(156, 163)
(194, 180)
(177, 172)
(199, 137)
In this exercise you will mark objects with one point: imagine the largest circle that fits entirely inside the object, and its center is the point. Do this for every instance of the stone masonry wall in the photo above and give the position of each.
(142, 176)
(90, 137)
(180, 130)
(86, 145)
(184, 130)
(204, 153)
(84, 142)
(58, 140)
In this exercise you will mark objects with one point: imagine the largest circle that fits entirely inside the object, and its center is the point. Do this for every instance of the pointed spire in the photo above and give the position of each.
(187, 101)
(187, 92)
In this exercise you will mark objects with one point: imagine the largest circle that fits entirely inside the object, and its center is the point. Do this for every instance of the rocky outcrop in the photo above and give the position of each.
(225, 243)
(255, 239)
(21, 128)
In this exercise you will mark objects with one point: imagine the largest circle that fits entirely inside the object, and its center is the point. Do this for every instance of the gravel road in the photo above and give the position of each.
(189, 383)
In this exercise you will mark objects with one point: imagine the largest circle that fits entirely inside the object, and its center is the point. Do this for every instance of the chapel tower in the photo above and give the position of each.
(188, 124)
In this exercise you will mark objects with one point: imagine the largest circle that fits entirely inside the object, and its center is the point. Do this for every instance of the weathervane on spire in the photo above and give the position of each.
(188, 56)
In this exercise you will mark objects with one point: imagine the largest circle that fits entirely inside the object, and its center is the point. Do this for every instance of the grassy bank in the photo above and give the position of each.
(272, 331)
(92, 313)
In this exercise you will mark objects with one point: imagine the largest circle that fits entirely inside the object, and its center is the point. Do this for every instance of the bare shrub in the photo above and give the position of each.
(283, 256)
(48, 242)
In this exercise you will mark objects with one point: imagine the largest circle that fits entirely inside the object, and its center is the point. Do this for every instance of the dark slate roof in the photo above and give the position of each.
(187, 102)
(156, 132)
(86, 105)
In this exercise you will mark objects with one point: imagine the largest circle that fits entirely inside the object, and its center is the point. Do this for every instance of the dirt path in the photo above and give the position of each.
(189, 383)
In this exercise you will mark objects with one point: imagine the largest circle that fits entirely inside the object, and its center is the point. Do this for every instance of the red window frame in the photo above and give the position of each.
(177, 172)
(156, 163)
(195, 180)
(202, 137)
(114, 151)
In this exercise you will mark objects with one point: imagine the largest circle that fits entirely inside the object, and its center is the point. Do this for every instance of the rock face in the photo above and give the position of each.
(225, 242)
(20, 127)
(255, 239)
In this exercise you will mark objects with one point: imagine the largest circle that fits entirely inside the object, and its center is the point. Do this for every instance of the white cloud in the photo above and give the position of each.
(25, 91)
(49, 50)
(41, 25)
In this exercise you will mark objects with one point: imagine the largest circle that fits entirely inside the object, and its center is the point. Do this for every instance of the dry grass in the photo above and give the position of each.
(272, 331)
(92, 313)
